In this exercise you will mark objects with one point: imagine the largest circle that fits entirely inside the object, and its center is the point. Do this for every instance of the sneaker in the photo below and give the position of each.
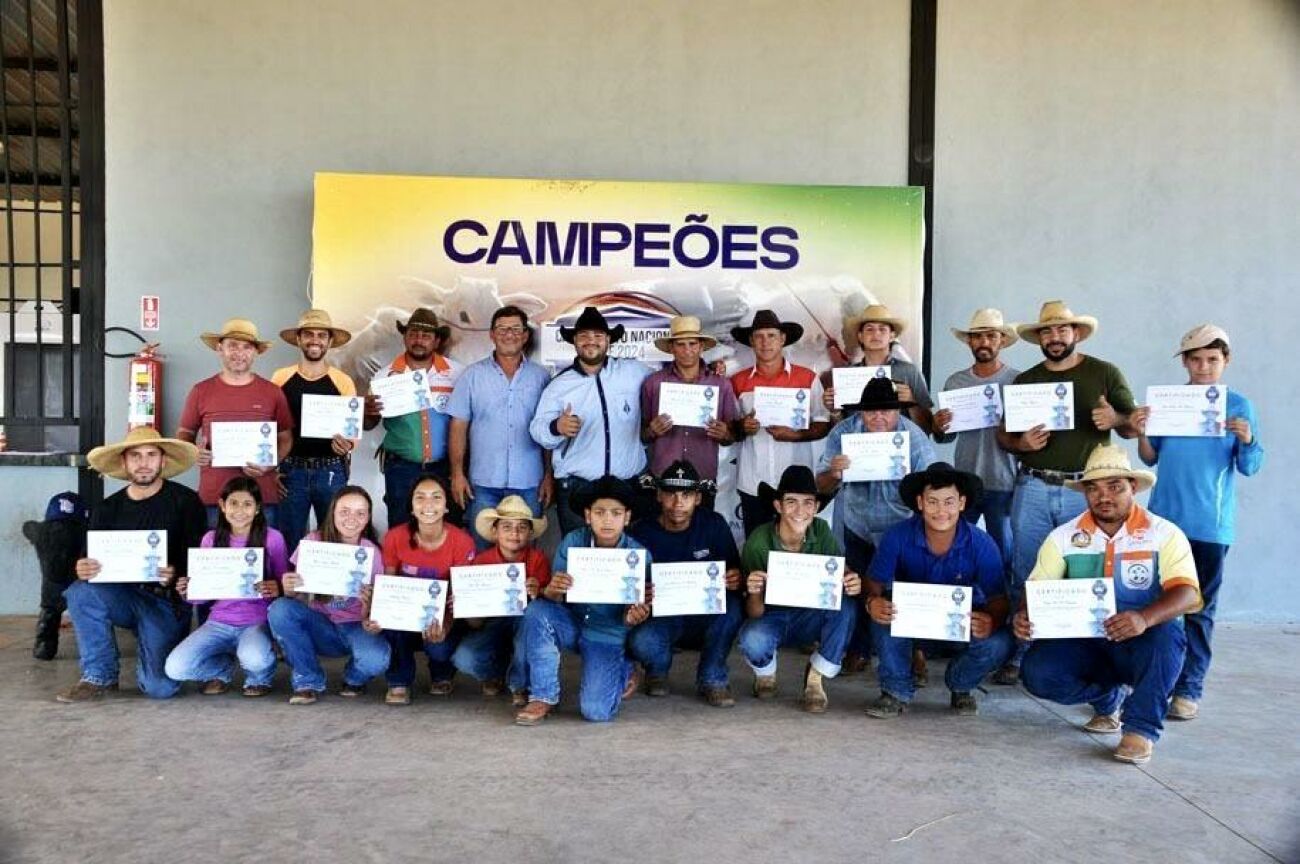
(1103, 724)
(441, 688)
(352, 691)
(255, 690)
(1134, 749)
(765, 686)
(85, 691)
(532, 714)
(398, 696)
(215, 687)
(886, 707)
(1008, 675)
(519, 699)
(964, 704)
(1183, 708)
(656, 686)
(492, 688)
(718, 697)
(303, 697)
(633, 681)
(814, 694)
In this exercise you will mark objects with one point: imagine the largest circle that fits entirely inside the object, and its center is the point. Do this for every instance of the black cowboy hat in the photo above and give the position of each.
(681, 476)
(878, 395)
(940, 475)
(608, 486)
(425, 319)
(796, 479)
(591, 319)
(765, 319)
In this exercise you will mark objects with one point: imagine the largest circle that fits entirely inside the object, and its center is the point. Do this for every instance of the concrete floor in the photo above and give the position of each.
(228, 779)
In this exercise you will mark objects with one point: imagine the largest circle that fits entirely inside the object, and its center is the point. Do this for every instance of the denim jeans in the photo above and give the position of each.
(401, 666)
(399, 478)
(487, 654)
(782, 625)
(1073, 671)
(490, 496)
(211, 651)
(270, 511)
(995, 507)
(965, 670)
(547, 630)
(1036, 508)
(653, 641)
(307, 490)
(158, 626)
(858, 554)
(304, 633)
(1199, 626)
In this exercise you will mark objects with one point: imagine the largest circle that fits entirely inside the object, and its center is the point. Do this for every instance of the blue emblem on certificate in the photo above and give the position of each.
(352, 423)
(250, 576)
(265, 452)
(152, 558)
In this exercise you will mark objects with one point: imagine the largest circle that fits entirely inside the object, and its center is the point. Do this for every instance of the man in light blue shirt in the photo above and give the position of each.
(589, 415)
(491, 409)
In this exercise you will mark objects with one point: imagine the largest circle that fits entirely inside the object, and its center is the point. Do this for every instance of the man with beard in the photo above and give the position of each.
(152, 611)
(316, 468)
(417, 443)
(1050, 460)
(589, 416)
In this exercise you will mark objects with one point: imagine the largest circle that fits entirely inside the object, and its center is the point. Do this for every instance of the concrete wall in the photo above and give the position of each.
(28, 488)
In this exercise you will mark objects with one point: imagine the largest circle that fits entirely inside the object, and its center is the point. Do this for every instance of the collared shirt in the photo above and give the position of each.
(498, 407)
(422, 435)
(609, 405)
(972, 560)
(978, 451)
(873, 507)
(691, 443)
(1146, 556)
(601, 622)
(762, 458)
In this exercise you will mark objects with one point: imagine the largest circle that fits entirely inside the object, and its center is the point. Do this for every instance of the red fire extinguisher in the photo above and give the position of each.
(144, 388)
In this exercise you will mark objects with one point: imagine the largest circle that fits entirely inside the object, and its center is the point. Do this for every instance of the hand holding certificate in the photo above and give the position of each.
(689, 588)
(127, 556)
(1189, 410)
(224, 574)
(1069, 608)
(783, 406)
(401, 394)
(489, 590)
(805, 581)
(689, 404)
(1048, 405)
(237, 444)
(876, 455)
(924, 611)
(327, 416)
(337, 569)
(848, 381)
(606, 575)
(407, 603)
(972, 407)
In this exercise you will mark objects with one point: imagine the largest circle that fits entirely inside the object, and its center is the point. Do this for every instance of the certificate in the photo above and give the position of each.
(1048, 405)
(978, 407)
(337, 569)
(848, 381)
(923, 611)
(1189, 410)
(689, 588)
(688, 404)
(489, 590)
(402, 394)
(237, 444)
(407, 602)
(783, 406)
(1069, 608)
(327, 416)
(606, 575)
(224, 574)
(877, 455)
(127, 556)
(807, 581)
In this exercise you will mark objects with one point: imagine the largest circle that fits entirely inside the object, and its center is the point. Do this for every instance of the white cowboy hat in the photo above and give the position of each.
(984, 320)
(1054, 313)
(1111, 460)
(684, 327)
(178, 455)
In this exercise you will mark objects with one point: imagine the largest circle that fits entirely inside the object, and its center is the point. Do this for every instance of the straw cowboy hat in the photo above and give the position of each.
(511, 507)
(1053, 314)
(684, 327)
(1200, 336)
(765, 319)
(875, 312)
(425, 319)
(1110, 460)
(236, 328)
(316, 319)
(985, 320)
(178, 455)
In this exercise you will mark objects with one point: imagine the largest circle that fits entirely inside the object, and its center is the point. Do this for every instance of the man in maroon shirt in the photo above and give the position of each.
(236, 394)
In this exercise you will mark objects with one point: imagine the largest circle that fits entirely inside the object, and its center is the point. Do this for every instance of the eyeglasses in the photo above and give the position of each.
(509, 331)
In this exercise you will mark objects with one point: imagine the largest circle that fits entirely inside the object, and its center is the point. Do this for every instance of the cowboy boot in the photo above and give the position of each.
(47, 633)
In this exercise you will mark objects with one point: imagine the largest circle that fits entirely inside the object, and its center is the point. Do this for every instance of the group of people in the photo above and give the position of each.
(502, 440)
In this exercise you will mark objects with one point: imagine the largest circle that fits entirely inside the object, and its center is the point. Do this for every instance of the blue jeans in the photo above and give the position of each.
(782, 625)
(652, 642)
(965, 671)
(487, 654)
(210, 653)
(401, 666)
(307, 490)
(1036, 508)
(858, 554)
(304, 633)
(1072, 671)
(490, 496)
(1199, 626)
(399, 478)
(995, 507)
(270, 511)
(547, 630)
(158, 626)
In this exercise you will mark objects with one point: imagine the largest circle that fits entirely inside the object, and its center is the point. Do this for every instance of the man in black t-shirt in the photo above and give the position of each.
(152, 609)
